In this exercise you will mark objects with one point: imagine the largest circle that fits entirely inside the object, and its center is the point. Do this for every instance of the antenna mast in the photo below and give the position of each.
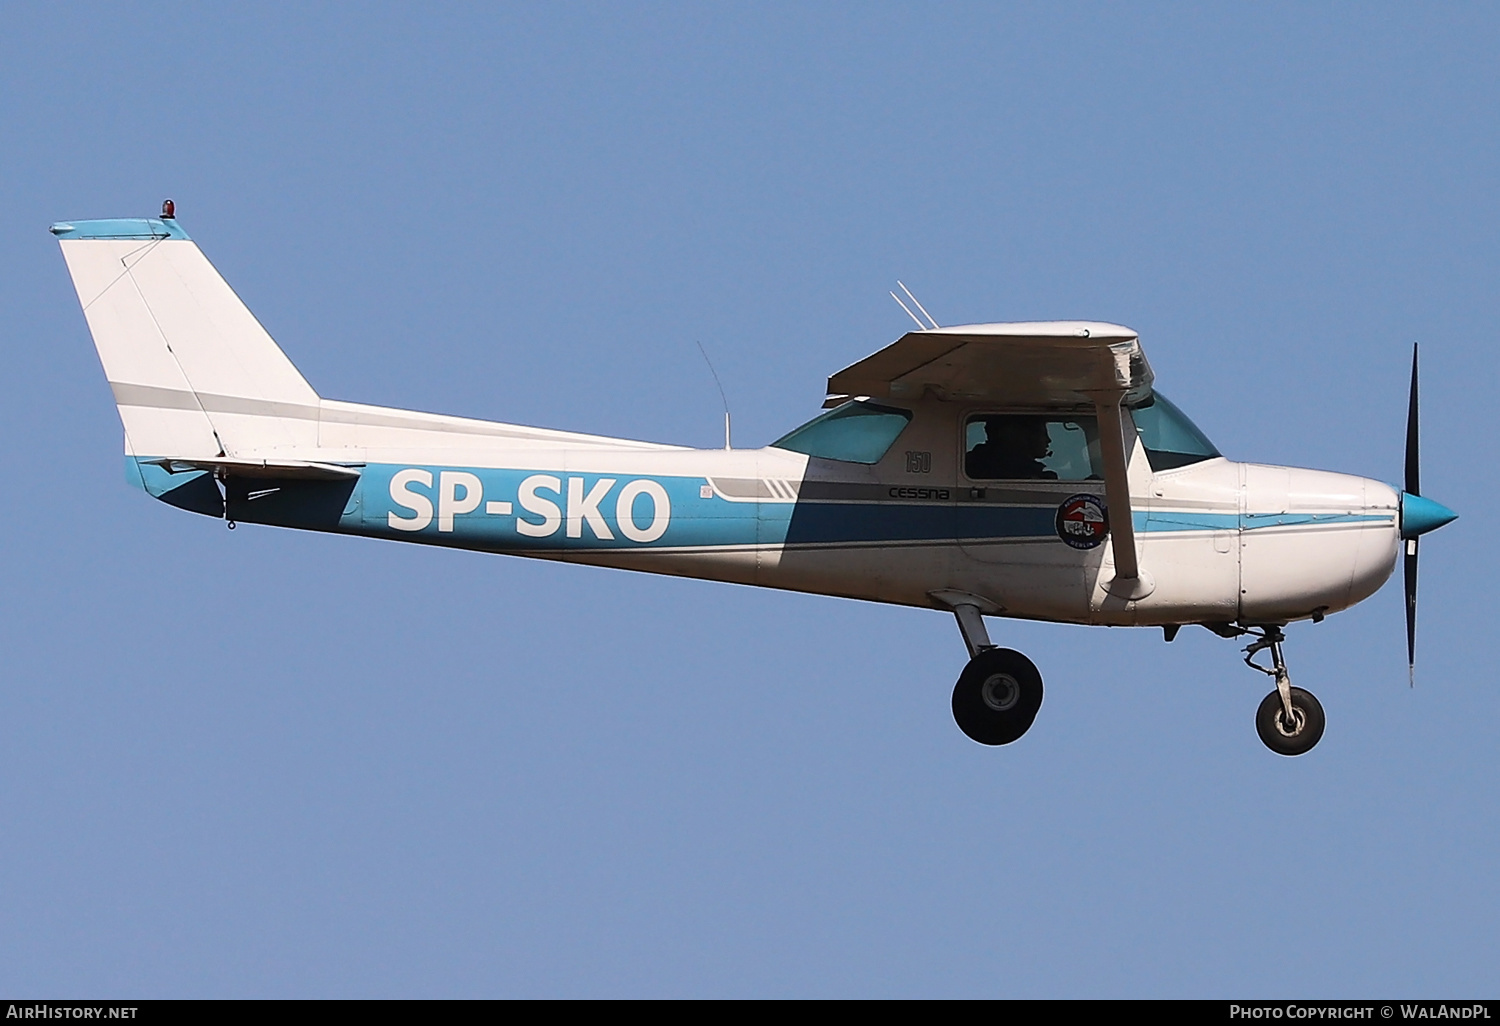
(917, 302)
(722, 396)
(920, 325)
(930, 325)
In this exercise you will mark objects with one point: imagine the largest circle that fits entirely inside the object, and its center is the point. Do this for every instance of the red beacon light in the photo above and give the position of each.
(168, 210)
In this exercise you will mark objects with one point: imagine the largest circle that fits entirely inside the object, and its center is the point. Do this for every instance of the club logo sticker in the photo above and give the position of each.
(1082, 521)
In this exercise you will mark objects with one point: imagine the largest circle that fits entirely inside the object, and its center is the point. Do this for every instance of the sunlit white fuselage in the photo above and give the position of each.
(1218, 541)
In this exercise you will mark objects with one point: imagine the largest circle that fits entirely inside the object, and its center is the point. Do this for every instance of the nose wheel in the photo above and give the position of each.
(1290, 735)
(1290, 720)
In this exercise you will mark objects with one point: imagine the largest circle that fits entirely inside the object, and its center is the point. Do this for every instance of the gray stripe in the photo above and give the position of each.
(745, 488)
(257, 407)
(159, 398)
(150, 395)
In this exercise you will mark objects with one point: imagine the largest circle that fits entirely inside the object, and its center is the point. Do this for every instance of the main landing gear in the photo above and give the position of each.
(998, 694)
(1000, 691)
(1290, 721)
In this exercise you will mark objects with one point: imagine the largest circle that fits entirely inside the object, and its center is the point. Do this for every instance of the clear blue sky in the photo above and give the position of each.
(278, 764)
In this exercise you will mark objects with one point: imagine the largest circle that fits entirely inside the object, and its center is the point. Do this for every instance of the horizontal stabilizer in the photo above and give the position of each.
(282, 469)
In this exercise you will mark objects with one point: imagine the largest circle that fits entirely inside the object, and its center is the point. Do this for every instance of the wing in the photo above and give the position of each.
(1038, 364)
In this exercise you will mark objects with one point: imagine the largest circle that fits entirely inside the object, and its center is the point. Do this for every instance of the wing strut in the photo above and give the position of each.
(1117, 485)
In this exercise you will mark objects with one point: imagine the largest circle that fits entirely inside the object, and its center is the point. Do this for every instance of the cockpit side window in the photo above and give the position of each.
(857, 432)
(1171, 440)
(1031, 447)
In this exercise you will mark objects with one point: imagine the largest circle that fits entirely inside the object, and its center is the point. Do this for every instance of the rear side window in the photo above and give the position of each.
(857, 432)
(1031, 447)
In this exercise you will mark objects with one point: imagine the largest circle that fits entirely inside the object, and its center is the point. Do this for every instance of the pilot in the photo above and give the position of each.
(1013, 449)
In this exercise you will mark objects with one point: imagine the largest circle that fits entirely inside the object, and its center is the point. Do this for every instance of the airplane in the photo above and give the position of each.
(1013, 470)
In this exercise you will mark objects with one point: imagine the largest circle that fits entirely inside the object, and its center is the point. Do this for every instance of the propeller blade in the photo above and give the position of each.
(1413, 463)
(1411, 612)
(1413, 487)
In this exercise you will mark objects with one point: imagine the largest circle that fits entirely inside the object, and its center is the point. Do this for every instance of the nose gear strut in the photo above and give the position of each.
(1271, 637)
(1290, 720)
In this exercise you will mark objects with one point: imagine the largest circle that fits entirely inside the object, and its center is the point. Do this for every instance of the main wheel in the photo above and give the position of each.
(1296, 737)
(997, 696)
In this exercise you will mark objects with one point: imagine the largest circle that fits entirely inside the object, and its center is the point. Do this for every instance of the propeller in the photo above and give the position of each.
(1413, 487)
(1418, 516)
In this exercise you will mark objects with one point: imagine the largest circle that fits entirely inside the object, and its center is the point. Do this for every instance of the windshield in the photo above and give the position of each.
(1170, 439)
(857, 432)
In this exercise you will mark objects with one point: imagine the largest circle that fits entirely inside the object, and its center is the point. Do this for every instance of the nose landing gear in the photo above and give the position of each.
(1290, 720)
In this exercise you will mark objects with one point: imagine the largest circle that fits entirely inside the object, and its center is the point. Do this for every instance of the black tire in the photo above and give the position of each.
(1270, 723)
(997, 696)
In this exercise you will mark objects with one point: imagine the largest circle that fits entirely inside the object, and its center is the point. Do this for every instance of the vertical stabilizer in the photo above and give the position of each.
(193, 372)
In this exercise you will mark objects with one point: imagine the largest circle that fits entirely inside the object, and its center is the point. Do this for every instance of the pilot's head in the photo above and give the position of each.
(1022, 436)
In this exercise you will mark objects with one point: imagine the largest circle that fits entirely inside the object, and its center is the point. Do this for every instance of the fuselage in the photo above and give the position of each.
(1218, 541)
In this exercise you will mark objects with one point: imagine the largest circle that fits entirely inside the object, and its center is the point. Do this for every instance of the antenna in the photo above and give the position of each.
(915, 300)
(722, 396)
(913, 316)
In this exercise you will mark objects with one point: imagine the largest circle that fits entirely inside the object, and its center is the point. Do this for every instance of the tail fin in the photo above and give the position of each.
(193, 372)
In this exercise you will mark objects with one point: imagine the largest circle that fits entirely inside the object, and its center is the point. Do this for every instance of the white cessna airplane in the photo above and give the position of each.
(1016, 470)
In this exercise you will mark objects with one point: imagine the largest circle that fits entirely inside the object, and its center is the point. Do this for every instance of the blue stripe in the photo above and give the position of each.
(1253, 521)
(1155, 521)
(120, 228)
(366, 507)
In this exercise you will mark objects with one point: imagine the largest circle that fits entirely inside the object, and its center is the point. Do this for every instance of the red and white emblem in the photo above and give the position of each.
(1083, 521)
